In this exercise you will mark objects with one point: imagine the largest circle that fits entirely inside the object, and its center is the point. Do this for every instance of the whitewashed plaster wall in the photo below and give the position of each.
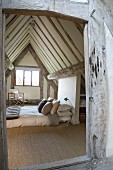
(96, 84)
(109, 80)
(30, 92)
(28, 60)
(67, 88)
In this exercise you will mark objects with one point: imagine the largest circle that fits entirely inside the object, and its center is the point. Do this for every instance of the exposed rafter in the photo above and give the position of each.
(40, 64)
(62, 37)
(48, 49)
(58, 59)
(16, 30)
(70, 39)
(12, 21)
(84, 13)
(38, 43)
(43, 56)
(55, 45)
(54, 39)
(79, 28)
(16, 62)
(68, 72)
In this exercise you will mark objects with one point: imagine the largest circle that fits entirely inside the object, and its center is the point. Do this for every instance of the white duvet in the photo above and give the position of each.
(29, 116)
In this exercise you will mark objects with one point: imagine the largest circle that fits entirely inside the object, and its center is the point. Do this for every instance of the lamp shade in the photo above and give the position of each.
(66, 99)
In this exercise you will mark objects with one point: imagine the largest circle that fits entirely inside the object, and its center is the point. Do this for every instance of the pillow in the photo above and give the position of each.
(46, 108)
(65, 119)
(41, 104)
(64, 107)
(65, 113)
(55, 106)
(50, 99)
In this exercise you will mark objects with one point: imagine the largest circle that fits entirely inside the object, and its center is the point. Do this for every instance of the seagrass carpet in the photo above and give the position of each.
(38, 145)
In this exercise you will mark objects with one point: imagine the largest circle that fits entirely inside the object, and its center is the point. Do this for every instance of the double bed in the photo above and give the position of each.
(29, 116)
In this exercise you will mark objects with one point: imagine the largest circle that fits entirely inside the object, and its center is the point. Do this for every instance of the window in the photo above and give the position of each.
(27, 76)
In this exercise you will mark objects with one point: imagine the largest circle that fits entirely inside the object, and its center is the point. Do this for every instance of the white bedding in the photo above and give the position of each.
(29, 116)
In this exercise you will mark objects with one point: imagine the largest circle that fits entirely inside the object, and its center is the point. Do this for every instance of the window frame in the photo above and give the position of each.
(27, 68)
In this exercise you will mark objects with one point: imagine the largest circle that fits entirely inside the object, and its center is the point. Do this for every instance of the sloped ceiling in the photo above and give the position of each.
(57, 42)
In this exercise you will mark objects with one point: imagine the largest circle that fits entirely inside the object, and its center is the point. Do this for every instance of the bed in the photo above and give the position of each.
(29, 116)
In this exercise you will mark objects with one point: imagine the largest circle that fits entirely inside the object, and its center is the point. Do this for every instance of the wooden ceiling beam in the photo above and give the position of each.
(68, 72)
(43, 60)
(14, 43)
(12, 21)
(70, 39)
(40, 64)
(24, 45)
(17, 29)
(79, 28)
(7, 16)
(17, 45)
(48, 49)
(19, 48)
(53, 50)
(13, 26)
(42, 49)
(17, 36)
(58, 57)
(8, 19)
(54, 40)
(42, 56)
(16, 62)
(62, 37)
(43, 13)
(37, 59)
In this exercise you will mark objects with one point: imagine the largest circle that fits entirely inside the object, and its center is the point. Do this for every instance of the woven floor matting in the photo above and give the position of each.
(38, 145)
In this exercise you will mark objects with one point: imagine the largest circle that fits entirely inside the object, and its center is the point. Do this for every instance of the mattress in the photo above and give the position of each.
(29, 116)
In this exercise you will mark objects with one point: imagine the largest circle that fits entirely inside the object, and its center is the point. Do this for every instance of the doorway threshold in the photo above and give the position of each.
(57, 164)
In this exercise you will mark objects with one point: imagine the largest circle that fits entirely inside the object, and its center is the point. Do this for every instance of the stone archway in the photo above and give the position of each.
(94, 65)
(26, 8)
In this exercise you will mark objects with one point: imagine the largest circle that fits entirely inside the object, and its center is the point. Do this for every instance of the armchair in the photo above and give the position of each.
(15, 97)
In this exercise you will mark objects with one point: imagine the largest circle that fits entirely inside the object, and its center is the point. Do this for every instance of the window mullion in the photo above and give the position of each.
(31, 78)
(23, 77)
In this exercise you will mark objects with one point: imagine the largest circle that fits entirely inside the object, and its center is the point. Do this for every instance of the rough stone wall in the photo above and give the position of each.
(99, 14)
(61, 6)
(100, 11)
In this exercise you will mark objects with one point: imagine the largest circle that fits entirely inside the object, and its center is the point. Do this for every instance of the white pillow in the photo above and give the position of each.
(64, 113)
(50, 99)
(64, 107)
(55, 106)
(64, 119)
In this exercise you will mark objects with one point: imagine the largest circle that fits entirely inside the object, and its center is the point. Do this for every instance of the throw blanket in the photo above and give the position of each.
(12, 112)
